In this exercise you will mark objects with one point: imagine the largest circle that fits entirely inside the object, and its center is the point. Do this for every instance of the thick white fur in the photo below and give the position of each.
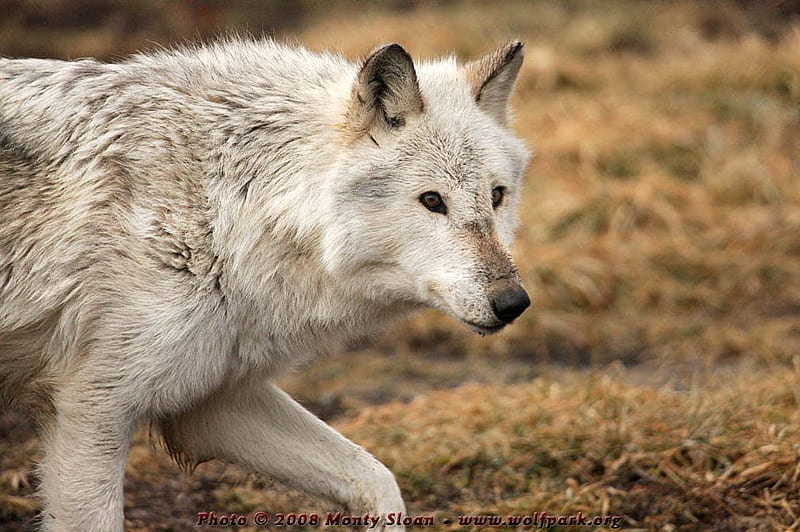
(180, 229)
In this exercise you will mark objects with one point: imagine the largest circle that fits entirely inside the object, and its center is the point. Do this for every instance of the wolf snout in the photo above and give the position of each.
(509, 300)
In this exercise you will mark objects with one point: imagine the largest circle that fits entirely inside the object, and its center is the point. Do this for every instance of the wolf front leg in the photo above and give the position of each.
(86, 444)
(261, 428)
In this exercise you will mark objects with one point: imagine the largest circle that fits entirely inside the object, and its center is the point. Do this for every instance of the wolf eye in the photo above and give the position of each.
(498, 193)
(433, 202)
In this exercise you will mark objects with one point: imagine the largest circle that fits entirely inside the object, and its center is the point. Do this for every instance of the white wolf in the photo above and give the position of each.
(180, 228)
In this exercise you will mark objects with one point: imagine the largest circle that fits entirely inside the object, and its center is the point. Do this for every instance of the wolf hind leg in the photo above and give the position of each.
(259, 427)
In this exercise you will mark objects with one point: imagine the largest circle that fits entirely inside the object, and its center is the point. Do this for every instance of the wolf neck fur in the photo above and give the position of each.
(270, 205)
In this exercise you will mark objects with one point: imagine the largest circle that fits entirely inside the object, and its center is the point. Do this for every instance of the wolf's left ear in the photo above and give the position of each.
(492, 79)
(386, 91)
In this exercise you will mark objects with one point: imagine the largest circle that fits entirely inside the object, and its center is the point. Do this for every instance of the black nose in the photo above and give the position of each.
(509, 303)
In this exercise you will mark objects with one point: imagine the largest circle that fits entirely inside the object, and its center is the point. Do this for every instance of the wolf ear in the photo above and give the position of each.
(386, 91)
(492, 79)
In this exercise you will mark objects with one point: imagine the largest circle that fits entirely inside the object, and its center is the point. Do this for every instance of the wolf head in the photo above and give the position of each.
(426, 193)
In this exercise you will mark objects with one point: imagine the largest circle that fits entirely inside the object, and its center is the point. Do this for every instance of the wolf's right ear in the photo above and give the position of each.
(386, 91)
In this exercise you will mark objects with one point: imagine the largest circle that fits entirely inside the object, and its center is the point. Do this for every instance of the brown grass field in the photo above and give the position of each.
(657, 375)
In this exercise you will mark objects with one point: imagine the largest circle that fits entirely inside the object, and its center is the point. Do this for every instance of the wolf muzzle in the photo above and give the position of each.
(509, 300)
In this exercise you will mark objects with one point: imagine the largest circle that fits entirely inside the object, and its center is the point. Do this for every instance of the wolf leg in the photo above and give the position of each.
(263, 429)
(86, 445)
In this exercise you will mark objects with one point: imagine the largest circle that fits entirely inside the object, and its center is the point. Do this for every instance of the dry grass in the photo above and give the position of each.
(722, 454)
(661, 228)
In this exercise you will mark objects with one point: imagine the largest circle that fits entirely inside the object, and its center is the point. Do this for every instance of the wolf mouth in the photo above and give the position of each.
(486, 329)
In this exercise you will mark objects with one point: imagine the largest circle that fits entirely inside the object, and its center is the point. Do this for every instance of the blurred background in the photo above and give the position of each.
(656, 375)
